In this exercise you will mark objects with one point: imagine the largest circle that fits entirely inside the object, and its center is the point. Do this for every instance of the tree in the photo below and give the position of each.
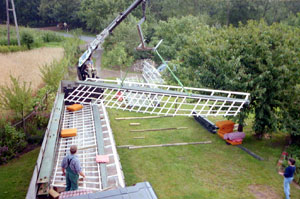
(16, 97)
(257, 58)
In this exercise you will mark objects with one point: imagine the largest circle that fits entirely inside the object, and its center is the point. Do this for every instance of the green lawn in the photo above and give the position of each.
(16, 175)
(197, 171)
(189, 172)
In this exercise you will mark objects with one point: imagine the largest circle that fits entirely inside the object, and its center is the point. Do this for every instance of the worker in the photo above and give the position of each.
(288, 177)
(89, 70)
(71, 169)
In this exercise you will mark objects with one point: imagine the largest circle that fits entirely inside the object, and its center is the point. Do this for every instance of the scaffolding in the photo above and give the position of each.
(151, 74)
(87, 141)
(162, 100)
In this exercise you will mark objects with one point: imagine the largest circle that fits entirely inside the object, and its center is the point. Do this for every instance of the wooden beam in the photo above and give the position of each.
(138, 137)
(136, 118)
(162, 129)
(173, 144)
(135, 124)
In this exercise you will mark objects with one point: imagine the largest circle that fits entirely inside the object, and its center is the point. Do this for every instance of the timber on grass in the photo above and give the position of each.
(172, 144)
(161, 129)
(135, 118)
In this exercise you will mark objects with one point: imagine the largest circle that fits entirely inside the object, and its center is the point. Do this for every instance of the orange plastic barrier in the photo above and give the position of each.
(74, 107)
(68, 133)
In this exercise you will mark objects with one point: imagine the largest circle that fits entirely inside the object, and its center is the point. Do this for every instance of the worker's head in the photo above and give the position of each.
(73, 149)
(292, 161)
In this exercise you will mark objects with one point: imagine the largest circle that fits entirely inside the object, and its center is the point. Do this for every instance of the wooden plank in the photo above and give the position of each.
(173, 144)
(53, 194)
(135, 118)
(138, 137)
(124, 146)
(135, 124)
(161, 129)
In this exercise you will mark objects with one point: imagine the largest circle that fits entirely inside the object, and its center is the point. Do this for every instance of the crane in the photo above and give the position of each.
(84, 68)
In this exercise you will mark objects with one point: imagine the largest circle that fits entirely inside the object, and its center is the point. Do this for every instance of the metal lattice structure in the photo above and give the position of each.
(162, 100)
(151, 74)
(96, 179)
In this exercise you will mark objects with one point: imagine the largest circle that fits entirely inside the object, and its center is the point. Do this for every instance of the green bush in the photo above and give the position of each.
(51, 37)
(14, 48)
(16, 97)
(27, 39)
(11, 142)
(13, 41)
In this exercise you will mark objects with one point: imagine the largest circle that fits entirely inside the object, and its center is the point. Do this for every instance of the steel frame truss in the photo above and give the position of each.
(161, 100)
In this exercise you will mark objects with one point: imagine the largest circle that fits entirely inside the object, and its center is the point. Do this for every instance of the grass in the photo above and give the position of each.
(26, 64)
(16, 175)
(197, 171)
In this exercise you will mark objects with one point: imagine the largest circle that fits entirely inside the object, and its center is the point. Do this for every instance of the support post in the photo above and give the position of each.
(16, 22)
(7, 23)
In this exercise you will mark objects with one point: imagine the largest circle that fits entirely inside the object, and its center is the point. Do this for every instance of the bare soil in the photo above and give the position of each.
(264, 191)
(26, 65)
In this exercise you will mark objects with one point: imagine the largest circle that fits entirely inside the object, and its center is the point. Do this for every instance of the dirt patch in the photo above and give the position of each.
(263, 191)
(26, 65)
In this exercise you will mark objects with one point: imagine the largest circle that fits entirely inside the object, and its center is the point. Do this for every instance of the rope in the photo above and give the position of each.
(175, 77)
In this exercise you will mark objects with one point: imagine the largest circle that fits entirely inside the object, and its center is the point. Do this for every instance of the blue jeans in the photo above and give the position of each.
(286, 185)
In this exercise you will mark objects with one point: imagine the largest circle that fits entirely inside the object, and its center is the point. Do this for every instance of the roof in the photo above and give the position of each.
(141, 190)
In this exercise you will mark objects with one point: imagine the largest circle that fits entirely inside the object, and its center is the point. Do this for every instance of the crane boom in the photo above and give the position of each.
(100, 38)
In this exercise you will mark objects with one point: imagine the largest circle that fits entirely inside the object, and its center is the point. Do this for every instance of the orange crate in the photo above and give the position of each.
(225, 124)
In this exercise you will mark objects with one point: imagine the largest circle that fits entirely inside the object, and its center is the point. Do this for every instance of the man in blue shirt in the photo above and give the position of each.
(72, 164)
(288, 177)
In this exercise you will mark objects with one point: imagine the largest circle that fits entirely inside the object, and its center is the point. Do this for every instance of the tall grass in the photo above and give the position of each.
(53, 73)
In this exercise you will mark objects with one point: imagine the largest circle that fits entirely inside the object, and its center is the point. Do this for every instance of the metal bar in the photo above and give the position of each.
(48, 157)
(100, 144)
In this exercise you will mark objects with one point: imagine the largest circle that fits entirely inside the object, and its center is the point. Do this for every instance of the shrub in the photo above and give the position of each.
(16, 97)
(27, 39)
(11, 142)
(13, 41)
(13, 48)
(51, 37)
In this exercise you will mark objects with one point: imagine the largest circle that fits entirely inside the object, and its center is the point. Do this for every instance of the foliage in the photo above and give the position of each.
(98, 14)
(12, 48)
(55, 11)
(11, 142)
(117, 57)
(52, 74)
(16, 97)
(255, 58)
(181, 27)
(27, 39)
(51, 37)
